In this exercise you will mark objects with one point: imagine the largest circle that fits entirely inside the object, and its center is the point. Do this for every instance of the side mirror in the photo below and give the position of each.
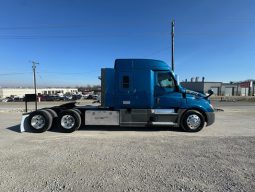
(210, 92)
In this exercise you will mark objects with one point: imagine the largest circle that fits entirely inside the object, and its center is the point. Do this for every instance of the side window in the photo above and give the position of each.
(125, 82)
(165, 80)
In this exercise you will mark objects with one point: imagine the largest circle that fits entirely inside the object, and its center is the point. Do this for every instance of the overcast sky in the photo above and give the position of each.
(73, 39)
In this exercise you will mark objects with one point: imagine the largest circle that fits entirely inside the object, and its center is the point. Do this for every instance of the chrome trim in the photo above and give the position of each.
(132, 122)
(67, 121)
(163, 123)
(193, 121)
(38, 121)
(163, 112)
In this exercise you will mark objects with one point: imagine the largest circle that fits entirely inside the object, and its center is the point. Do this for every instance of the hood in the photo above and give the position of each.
(190, 93)
(194, 93)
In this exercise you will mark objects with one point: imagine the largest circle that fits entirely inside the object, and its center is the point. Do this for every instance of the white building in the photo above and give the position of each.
(20, 92)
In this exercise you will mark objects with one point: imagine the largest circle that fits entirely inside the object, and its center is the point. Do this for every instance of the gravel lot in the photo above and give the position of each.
(219, 158)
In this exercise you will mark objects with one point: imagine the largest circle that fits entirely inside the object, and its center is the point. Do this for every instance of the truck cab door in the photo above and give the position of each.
(166, 95)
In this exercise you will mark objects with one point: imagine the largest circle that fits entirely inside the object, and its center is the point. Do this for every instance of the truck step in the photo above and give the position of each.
(164, 123)
(163, 112)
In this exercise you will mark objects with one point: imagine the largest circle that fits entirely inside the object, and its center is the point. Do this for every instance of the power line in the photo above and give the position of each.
(82, 25)
(193, 34)
(56, 73)
(42, 27)
(7, 74)
(80, 36)
(68, 73)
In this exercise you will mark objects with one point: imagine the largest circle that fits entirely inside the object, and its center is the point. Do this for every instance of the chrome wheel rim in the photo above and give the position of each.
(67, 121)
(193, 121)
(38, 121)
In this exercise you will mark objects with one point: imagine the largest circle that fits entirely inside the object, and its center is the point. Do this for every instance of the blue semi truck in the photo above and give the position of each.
(136, 92)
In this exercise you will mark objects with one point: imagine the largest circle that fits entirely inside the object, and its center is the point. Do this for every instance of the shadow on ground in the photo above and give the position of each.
(117, 128)
(16, 128)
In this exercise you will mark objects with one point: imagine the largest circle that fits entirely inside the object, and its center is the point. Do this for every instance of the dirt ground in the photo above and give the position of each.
(219, 158)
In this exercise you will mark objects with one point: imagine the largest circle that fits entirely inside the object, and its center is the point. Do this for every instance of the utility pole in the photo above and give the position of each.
(172, 34)
(34, 67)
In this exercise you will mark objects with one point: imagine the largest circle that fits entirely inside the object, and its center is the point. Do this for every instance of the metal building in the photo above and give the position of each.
(244, 88)
(203, 87)
(20, 92)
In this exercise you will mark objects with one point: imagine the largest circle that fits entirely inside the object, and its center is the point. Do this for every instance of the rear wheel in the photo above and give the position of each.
(69, 120)
(78, 111)
(52, 112)
(54, 116)
(40, 121)
(192, 121)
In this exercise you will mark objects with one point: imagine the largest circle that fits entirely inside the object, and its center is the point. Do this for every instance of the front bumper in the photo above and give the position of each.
(210, 118)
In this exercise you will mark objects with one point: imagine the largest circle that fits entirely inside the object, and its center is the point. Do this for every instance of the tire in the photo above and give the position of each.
(40, 121)
(78, 111)
(192, 121)
(52, 112)
(54, 116)
(69, 121)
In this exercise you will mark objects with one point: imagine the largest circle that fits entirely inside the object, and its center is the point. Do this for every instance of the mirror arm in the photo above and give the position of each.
(184, 95)
(177, 89)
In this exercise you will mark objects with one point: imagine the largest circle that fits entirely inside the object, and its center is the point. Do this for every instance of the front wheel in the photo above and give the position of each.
(192, 121)
(69, 120)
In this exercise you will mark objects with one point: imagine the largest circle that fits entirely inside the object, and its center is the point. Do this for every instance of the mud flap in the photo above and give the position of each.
(24, 123)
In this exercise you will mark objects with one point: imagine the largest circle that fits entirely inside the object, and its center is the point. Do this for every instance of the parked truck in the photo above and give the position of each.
(136, 92)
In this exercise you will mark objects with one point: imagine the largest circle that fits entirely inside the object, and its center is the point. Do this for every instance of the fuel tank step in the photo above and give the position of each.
(163, 123)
